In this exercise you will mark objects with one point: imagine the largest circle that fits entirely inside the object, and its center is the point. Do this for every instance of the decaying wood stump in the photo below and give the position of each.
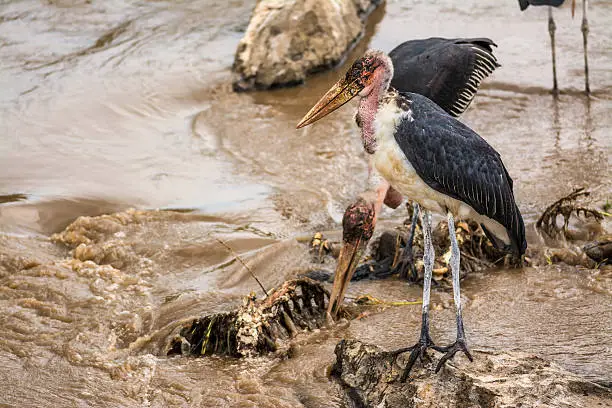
(370, 378)
(259, 326)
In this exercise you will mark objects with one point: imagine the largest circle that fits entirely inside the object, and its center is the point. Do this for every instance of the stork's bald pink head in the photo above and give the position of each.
(372, 71)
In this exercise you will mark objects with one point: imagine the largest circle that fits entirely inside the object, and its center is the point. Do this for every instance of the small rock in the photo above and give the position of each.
(370, 378)
(387, 245)
(318, 275)
(288, 39)
(600, 250)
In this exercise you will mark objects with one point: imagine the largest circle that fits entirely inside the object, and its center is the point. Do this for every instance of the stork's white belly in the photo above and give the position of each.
(392, 164)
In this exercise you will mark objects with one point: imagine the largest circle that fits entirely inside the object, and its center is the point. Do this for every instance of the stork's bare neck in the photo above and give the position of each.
(372, 96)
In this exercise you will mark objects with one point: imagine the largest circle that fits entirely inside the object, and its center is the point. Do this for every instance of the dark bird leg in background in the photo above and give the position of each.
(585, 32)
(551, 30)
(460, 344)
(425, 342)
(406, 262)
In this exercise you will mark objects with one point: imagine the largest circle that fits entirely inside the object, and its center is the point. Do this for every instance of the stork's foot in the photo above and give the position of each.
(419, 350)
(405, 267)
(458, 345)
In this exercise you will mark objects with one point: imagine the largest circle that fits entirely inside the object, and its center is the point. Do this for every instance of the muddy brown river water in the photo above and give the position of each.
(111, 105)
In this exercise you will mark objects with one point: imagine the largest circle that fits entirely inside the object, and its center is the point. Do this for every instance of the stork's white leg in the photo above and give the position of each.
(460, 343)
(419, 349)
(455, 263)
(585, 32)
(428, 261)
(551, 30)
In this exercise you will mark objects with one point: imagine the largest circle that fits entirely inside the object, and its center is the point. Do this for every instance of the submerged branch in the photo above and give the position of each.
(231, 250)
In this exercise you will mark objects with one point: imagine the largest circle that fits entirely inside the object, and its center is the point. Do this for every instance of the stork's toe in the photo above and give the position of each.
(419, 350)
(451, 350)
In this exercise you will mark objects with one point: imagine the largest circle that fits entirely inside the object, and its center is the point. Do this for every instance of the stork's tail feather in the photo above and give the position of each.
(482, 64)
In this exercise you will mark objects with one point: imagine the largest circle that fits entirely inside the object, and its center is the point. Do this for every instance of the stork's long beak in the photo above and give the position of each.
(573, 7)
(350, 254)
(339, 94)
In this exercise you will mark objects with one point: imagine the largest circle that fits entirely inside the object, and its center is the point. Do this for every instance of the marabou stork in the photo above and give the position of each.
(523, 4)
(437, 161)
(447, 71)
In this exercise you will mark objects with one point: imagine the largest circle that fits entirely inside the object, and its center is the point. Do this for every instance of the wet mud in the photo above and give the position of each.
(107, 106)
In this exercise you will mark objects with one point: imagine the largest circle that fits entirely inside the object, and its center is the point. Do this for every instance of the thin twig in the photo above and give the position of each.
(476, 259)
(372, 301)
(219, 240)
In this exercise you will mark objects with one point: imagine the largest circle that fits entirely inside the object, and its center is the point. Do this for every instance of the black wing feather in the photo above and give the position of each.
(454, 160)
(447, 71)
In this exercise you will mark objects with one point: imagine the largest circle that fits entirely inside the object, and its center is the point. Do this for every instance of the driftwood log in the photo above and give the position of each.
(259, 326)
(369, 377)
